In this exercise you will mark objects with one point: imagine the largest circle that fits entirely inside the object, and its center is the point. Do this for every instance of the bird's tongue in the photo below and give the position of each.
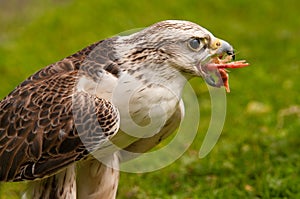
(217, 68)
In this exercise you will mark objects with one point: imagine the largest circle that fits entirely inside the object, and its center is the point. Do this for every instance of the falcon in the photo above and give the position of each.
(63, 128)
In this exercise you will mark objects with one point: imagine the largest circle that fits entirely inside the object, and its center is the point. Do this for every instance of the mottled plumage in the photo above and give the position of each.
(95, 102)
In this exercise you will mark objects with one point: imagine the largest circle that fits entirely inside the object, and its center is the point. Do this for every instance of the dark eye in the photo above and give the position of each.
(194, 43)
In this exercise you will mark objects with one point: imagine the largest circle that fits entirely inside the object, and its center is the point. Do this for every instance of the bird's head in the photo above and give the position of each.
(184, 45)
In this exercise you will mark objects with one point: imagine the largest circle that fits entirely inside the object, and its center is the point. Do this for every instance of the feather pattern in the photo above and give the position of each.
(38, 131)
(93, 103)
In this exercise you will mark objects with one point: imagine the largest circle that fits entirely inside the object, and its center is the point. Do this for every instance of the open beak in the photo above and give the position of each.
(222, 57)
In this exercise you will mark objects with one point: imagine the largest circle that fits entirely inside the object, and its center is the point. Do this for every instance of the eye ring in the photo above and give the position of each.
(194, 43)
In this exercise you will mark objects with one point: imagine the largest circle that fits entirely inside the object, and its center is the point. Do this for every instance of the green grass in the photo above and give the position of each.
(257, 156)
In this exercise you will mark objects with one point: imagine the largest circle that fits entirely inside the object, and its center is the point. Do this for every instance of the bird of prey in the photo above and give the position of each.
(63, 127)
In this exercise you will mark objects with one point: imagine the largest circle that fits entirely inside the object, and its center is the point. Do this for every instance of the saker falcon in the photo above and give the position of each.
(62, 127)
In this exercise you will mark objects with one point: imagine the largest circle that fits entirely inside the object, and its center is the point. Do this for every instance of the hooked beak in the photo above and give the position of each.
(219, 48)
(224, 48)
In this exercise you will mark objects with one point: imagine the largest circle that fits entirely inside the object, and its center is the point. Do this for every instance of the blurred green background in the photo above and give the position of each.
(258, 153)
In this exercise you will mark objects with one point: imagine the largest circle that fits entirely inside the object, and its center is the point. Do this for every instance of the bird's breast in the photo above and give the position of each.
(144, 108)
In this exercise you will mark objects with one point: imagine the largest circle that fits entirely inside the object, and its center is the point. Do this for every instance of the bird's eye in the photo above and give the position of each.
(194, 43)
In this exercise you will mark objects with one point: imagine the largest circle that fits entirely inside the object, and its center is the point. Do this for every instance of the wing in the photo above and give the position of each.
(45, 125)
